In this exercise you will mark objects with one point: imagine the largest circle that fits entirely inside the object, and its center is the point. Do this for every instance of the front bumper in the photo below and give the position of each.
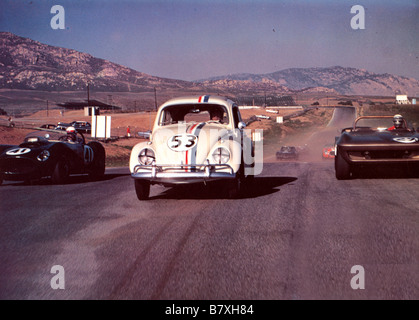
(20, 169)
(378, 154)
(183, 174)
(286, 157)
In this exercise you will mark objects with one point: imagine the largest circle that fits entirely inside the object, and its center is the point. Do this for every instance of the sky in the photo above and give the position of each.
(197, 39)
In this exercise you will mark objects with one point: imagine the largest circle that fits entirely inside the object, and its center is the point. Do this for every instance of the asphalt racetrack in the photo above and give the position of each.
(296, 234)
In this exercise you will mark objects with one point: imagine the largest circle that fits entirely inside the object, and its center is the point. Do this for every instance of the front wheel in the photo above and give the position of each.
(61, 172)
(413, 171)
(142, 189)
(235, 187)
(97, 168)
(342, 168)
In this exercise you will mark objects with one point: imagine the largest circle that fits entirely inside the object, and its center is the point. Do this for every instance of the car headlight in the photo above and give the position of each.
(146, 157)
(43, 156)
(221, 155)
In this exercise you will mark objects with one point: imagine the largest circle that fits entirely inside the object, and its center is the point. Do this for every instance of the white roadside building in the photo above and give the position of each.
(402, 99)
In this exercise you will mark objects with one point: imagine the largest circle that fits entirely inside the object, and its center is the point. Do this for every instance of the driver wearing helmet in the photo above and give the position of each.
(71, 134)
(216, 114)
(398, 122)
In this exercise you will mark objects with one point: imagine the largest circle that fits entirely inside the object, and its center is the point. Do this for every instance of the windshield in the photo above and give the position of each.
(377, 123)
(191, 113)
(46, 135)
(287, 149)
(53, 135)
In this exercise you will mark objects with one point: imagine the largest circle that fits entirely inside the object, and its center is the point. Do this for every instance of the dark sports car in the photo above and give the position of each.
(51, 154)
(372, 142)
(82, 126)
(62, 126)
(287, 153)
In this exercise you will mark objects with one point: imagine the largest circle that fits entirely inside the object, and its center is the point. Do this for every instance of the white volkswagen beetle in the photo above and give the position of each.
(194, 139)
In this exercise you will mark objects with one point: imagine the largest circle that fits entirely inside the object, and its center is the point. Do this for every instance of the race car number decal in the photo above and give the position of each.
(182, 142)
(88, 155)
(18, 151)
(406, 139)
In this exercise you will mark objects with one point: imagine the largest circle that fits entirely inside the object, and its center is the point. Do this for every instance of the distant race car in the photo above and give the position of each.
(261, 116)
(82, 126)
(328, 152)
(375, 143)
(62, 126)
(7, 123)
(194, 139)
(287, 153)
(51, 154)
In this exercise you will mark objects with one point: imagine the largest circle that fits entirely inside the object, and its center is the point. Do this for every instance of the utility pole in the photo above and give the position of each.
(88, 94)
(110, 102)
(264, 93)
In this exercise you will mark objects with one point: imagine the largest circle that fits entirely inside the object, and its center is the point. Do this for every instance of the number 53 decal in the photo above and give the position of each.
(182, 142)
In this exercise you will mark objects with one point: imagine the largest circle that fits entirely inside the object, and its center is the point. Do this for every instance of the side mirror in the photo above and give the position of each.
(241, 125)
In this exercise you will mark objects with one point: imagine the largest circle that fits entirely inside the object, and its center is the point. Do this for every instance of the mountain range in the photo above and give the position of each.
(346, 81)
(28, 64)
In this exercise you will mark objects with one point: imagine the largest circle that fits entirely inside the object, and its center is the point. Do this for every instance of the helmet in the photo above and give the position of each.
(217, 112)
(71, 130)
(71, 134)
(398, 121)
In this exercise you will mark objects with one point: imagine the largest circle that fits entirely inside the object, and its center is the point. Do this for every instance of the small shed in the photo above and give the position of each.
(91, 111)
(402, 99)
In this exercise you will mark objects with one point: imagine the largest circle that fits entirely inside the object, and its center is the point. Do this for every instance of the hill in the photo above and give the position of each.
(28, 64)
(33, 73)
(346, 81)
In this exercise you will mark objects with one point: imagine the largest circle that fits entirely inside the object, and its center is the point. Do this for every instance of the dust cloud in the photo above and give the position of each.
(311, 145)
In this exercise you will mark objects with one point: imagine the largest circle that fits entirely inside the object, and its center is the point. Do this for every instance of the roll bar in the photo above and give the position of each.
(376, 117)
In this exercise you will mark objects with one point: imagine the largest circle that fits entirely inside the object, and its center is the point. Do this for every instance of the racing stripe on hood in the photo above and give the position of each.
(203, 99)
(190, 155)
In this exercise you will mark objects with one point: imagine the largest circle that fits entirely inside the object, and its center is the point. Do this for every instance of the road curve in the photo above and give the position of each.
(343, 117)
(296, 234)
